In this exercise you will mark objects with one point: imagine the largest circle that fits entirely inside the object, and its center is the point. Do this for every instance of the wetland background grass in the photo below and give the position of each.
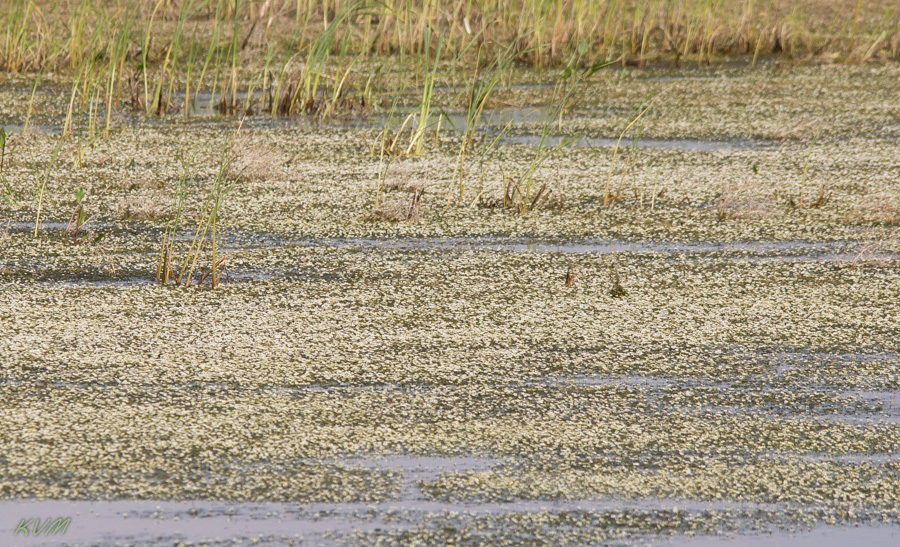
(143, 54)
(56, 32)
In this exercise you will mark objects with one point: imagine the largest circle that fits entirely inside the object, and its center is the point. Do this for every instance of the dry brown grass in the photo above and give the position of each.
(142, 208)
(392, 209)
(878, 251)
(396, 184)
(257, 161)
(877, 210)
(747, 202)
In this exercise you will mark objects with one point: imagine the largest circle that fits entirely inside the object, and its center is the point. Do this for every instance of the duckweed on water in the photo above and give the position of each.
(743, 379)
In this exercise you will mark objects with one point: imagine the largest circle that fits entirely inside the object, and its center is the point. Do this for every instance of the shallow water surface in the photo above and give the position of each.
(823, 536)
(681, 145)
(166, 522)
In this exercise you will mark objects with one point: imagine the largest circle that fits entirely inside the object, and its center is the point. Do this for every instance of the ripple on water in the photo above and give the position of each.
(822, 536)
(679, 145)
(774, 249)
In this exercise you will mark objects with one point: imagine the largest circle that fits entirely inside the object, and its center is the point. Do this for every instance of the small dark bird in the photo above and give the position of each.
(617, 291)
(570, 277)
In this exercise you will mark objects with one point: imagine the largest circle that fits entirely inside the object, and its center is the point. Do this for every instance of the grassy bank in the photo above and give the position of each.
(299, 56)
(51, 34)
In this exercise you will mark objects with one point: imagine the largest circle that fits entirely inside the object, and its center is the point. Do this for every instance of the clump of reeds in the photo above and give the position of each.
(608, 197)
(204, 243)
(319, 90)
(519, 200)
(43, 184)
(477, 93)
(521, 192)
(9, 194)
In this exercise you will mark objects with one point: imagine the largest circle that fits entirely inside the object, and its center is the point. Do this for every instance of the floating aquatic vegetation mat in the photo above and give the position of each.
(704, 357)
